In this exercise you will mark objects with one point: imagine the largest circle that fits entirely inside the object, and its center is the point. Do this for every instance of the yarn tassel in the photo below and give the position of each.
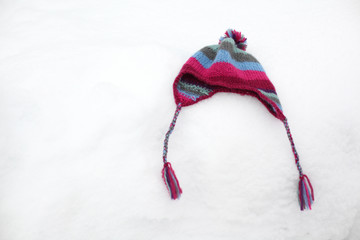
(306, 193)
(171, 181)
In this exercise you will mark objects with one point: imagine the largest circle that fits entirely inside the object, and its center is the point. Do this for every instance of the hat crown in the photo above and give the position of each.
(225, 67)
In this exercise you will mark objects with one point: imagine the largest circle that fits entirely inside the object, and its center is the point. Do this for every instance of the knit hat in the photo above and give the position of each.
(227, 67)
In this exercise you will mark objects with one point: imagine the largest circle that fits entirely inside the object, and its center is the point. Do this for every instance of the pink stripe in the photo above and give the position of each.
(226, 75)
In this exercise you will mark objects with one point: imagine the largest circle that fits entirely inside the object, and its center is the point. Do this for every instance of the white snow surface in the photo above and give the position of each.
(86, 99)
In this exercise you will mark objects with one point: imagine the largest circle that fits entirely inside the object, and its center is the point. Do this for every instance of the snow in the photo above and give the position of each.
(86, 99)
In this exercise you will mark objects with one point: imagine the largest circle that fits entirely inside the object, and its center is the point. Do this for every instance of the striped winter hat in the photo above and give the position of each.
(227, 67)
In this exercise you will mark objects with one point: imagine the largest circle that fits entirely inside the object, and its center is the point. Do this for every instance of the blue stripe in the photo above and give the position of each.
(188, 95)
(224, 56)
(279, 106)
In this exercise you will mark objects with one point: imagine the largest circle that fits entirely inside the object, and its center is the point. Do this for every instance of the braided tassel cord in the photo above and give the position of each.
(305, 191)
(168, 173)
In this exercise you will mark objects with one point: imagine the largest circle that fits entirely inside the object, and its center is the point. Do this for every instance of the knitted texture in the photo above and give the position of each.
(226, 67)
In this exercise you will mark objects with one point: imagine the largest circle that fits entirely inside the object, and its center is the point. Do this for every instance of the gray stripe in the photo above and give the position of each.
(272, 96)
(193, 89)
(228, 46)
(275, 99)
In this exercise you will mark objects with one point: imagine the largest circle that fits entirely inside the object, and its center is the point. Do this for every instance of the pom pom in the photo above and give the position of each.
(306, 193)
(239, 38)
(171, 181)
